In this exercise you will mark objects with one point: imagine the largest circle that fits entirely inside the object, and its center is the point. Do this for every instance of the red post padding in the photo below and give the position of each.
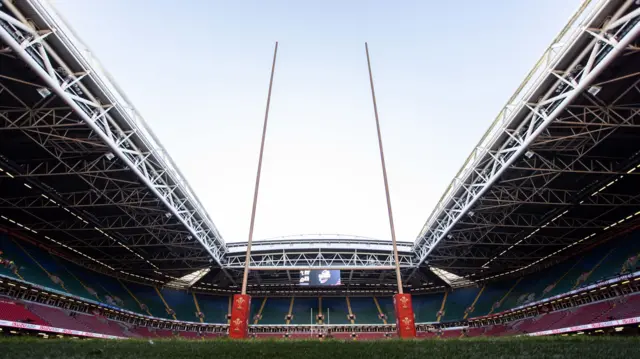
(239, 326)
(405, 322)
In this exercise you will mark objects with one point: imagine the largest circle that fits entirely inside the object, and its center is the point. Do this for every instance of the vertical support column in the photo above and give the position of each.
(402, 301)
(290, 312)
(238, 328)
(375, 301)
(170, 311)
(442, 306)
(350, 311)
(473, 305)
(264, 301)
(504, 297)
(200, 315)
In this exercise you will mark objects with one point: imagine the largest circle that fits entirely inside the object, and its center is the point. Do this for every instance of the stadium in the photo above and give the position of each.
(538, 235)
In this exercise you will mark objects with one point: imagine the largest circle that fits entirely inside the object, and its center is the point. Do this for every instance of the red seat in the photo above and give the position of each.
(16, 312)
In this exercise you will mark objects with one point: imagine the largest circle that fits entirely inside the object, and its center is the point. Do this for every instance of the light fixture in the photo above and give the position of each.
(43, 91)
(110, 156)
(594, 90)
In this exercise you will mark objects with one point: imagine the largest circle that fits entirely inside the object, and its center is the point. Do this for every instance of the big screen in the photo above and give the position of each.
(320, 277)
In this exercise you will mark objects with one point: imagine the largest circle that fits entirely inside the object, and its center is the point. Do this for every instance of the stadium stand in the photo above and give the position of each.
(180, 302)
(386, 307)
(458, 301)
(601, 263)
(16, 312)
(275, 310)
(36, 265)
(426, 307)
(365, 310)
(305, 310)
(59, 318)
(335, 310)
(490, 295)
(214, 308)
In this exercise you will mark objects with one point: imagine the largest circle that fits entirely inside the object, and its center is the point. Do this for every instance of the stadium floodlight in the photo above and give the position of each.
(110, 156)
(594, 90)
(43, 91)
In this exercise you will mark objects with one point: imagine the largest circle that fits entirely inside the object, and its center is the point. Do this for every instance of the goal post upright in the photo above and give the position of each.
(405, 321)
(239, 325)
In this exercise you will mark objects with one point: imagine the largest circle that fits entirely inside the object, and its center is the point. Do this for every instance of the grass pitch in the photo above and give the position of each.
(487, 348)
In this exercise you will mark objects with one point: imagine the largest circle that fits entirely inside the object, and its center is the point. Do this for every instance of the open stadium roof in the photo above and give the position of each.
(557, 165)
(81, 167)
(81, 172)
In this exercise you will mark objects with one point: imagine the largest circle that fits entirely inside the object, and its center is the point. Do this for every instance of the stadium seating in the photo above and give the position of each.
(305, 310)
(148, 296)
(58, 318)
(625, 308)
(214, 308)
(494, 330)
(275, 310)
(426, 307)
(458, 301)
(386, 306)
(37, 265)
(586, 314)
(143, 332)
(15, 312)
(365, 310)
(489, 296)
(181, 302)
(335, 310)
(27, 267)
(97, 324)
(104, 286)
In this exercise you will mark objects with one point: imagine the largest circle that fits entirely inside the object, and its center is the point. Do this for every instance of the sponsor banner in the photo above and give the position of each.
(612, 323)
(45, 328)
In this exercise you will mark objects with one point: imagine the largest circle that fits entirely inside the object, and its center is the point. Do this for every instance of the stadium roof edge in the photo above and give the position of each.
(105, 108)
(573, 38)
(505, 109)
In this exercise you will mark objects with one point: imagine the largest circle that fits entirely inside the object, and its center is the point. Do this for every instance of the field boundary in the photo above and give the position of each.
(611, 323)
(46, 328)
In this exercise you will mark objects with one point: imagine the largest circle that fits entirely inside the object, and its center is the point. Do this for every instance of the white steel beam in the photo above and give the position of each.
(151, 165)
(486, 165)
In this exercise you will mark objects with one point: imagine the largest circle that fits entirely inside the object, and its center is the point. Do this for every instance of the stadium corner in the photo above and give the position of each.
(405, 321)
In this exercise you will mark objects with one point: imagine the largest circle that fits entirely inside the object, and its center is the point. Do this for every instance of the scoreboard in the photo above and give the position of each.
(320, 277)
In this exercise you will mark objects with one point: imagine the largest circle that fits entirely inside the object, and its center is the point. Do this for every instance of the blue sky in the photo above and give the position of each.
(198, 72)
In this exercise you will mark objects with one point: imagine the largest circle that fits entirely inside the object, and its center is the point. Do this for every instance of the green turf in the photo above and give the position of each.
(557, 347)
